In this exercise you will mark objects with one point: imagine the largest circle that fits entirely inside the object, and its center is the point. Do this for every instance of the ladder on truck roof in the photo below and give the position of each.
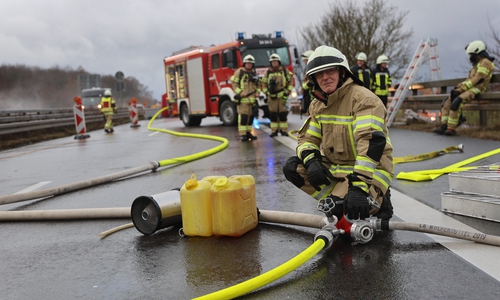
(426, 48)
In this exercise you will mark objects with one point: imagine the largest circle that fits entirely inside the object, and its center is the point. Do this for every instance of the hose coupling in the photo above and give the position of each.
(155, 164)
(376, 224)
(460, 147)
(361, 232)
(327, 236)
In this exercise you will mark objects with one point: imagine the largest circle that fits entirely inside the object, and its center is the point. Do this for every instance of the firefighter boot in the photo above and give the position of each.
(250, 136)
(441, 129)
(283, 133)
(274, 133)
(450, 132)
(244, 138)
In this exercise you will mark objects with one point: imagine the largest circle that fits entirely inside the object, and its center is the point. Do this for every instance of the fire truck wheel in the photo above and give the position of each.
(188, 120)
(228, 114)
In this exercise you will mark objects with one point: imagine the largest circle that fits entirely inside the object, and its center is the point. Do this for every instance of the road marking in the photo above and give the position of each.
(484, 257)
(33, 187)
(153, 133)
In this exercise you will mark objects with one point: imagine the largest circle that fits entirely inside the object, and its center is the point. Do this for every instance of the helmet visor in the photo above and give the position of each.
(321, 63)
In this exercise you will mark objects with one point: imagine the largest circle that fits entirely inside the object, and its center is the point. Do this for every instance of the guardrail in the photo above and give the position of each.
(484, 102)
(15, 121)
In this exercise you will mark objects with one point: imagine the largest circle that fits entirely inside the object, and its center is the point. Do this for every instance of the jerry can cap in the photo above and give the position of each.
(192, 182)
(221, 183)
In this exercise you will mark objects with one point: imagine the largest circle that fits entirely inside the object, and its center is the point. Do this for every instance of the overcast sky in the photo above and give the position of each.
(107, 36)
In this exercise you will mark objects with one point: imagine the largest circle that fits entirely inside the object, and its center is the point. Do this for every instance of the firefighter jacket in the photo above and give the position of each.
(365, 75)
(479, 76)
(381, 81)
(277, 83)
(107, 105)
(345, 126)
(245, 82)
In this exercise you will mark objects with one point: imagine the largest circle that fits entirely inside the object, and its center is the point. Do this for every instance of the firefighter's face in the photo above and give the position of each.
(248, 66)
(328, 79)
(361, 63)
(275, 63)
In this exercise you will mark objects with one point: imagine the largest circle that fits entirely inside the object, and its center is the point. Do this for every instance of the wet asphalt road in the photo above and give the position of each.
(68, 260)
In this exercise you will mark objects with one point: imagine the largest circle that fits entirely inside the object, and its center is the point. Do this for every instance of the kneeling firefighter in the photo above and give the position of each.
(477, 82)
(344, 154)
(245, 83)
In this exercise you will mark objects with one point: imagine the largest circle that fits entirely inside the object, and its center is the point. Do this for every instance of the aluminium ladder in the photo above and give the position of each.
(426, 48)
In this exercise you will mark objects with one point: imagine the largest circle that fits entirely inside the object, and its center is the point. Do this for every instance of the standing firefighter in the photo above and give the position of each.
(344, 154)
(477, 82)
(277, 85)
(108, 108)
(362, 70)
(381, 79)
(245, 84)
(306, 86)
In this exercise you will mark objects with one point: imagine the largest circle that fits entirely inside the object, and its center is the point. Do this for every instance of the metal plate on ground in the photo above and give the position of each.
(481, 182)
(476, 206)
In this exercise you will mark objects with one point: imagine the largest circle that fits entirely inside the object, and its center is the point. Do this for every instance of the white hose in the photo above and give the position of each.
(76, 186)
(66, 214)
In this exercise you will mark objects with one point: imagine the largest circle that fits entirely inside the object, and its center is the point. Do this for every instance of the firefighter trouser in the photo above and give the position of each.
(384, 99)
(450, 116)
(109, 120)
(278, 114)
(245, 118)
(296, 173)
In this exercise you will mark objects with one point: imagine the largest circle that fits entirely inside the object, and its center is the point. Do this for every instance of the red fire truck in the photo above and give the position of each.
(198, 78)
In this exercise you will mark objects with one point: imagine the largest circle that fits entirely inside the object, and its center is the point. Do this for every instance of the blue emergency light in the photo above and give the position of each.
(256, 123)
(278, 34)
(240, 35)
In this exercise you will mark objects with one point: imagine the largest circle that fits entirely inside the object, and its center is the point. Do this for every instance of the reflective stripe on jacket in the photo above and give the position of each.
(365, 75)
(283, 79)
(381, 81)
(479, 77)
(107, 104)
(242, 83)
(343, 129)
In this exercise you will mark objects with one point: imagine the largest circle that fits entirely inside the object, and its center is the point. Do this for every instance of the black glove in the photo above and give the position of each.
(317, 173)
(454, 94)
(356, 203)
(237, 99)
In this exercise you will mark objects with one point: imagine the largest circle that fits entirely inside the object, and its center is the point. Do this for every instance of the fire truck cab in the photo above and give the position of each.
(198, 78)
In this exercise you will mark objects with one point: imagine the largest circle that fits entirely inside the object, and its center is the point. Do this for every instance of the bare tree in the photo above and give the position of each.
(372, 27)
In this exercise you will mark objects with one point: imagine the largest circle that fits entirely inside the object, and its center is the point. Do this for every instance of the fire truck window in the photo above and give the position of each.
(215, 61)
(224, 59)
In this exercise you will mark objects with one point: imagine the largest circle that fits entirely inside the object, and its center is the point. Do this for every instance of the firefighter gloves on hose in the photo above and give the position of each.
(356, 203)
(317, 173)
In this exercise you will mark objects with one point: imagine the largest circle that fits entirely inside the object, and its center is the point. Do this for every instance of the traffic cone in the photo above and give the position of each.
(134, 117)
(80, 120)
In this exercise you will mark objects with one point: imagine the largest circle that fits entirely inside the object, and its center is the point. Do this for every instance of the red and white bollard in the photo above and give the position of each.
(80, 120)
(134, 116)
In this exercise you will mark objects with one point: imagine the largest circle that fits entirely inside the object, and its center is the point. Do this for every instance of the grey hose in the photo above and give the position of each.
(66, 214)
(76, 186)
(438, 230)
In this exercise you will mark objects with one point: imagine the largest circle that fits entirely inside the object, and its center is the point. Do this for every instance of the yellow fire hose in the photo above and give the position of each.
(191, 157)
(426, 175)
(245, 287)
(6, 199)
